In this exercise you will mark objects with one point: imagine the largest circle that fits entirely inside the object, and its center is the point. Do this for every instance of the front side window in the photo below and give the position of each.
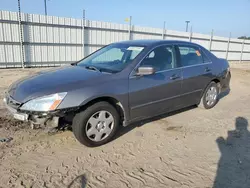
(190, 56)
(161, 58)
(113, 58)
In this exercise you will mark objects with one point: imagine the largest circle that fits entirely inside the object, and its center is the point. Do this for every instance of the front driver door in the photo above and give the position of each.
(154, 94)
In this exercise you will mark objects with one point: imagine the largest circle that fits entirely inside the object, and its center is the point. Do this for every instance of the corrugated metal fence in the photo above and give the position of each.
(51, 41)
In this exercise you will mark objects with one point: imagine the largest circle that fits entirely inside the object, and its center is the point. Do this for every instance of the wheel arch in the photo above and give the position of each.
(111, 100)
(216, 80)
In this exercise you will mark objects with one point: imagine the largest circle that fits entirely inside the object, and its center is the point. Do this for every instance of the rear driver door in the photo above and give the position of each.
(196, 73)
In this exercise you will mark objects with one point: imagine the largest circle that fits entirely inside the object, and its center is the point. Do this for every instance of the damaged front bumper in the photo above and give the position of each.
(9, 104)
(41, 119)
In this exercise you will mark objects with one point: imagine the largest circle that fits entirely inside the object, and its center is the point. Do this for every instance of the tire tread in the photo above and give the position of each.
(79, 123)
(202, 103)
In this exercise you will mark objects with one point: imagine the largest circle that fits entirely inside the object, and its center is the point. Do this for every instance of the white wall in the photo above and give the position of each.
(49, 41)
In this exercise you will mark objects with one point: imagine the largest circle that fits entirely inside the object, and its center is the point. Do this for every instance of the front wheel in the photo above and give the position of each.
(210, 96)
(96, 125)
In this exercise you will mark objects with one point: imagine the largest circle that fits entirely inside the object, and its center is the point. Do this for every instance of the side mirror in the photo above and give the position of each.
(145, 71)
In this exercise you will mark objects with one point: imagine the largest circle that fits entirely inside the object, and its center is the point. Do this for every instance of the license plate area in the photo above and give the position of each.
(20, 116)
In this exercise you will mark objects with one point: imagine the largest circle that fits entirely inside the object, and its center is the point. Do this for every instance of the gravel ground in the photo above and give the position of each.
(190, 148)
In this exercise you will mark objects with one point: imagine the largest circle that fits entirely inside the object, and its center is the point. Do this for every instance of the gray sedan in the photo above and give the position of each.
(119, 84)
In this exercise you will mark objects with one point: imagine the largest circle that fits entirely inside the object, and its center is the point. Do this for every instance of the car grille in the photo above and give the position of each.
(11, 102)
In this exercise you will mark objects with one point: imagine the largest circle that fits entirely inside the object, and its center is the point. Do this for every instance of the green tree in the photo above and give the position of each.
(244, 37)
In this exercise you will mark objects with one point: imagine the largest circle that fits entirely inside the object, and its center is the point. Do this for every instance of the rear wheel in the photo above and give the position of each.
(96, 125)
(210, 96)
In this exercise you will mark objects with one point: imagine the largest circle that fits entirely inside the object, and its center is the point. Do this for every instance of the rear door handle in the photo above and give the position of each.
(174, 77)
(207, 69)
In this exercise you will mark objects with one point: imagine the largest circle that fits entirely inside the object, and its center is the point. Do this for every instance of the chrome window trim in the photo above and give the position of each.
(177, 68)
(197, 65)
(131, 75)
(184, 67)
(168, 70)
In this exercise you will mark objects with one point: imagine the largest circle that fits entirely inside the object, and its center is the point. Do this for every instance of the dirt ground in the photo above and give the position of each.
(191, 148)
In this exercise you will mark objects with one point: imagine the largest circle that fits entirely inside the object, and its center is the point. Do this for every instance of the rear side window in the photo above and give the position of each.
(190, 56)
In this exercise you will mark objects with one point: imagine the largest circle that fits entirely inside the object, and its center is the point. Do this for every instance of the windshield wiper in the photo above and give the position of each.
(93, 68)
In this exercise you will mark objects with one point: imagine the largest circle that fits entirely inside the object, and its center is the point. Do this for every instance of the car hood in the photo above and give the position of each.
(49, 82)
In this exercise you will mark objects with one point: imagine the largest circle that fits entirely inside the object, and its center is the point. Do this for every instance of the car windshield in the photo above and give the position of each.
(112, 58)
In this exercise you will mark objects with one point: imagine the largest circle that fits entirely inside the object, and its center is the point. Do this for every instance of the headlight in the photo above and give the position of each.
(46, 103)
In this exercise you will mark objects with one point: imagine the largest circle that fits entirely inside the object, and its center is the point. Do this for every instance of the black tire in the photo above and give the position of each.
(203, 102)
(80, 122)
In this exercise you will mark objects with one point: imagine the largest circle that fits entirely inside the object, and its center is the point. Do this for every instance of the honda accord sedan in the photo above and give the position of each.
(119, 84)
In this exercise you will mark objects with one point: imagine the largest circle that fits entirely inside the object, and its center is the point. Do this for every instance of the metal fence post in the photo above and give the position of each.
(83, 34)
(47, 37)
(129, 29)
(163, 30)
(242, 49)
(4, 47)
(228, 44)
(190, 34)
(211, 40)
(20, 34)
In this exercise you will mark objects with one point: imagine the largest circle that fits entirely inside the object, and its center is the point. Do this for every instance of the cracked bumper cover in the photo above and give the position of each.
(41, 118)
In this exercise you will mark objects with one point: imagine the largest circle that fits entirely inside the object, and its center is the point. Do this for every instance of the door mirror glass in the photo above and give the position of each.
(145, 70)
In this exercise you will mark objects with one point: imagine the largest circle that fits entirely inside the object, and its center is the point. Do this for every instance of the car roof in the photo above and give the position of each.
(152, 42)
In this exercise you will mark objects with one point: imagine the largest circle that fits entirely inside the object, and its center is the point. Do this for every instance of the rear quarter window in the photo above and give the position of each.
(206, 59)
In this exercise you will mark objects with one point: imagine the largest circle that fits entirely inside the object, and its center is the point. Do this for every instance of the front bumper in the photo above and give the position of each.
(35, 118)
(17, 115)
(225, 82)
(48, 119)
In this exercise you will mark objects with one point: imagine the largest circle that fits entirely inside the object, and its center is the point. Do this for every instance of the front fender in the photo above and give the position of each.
(117, 90)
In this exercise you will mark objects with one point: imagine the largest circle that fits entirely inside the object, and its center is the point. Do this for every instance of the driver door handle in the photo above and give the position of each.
(207, 69)
(174, 77)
